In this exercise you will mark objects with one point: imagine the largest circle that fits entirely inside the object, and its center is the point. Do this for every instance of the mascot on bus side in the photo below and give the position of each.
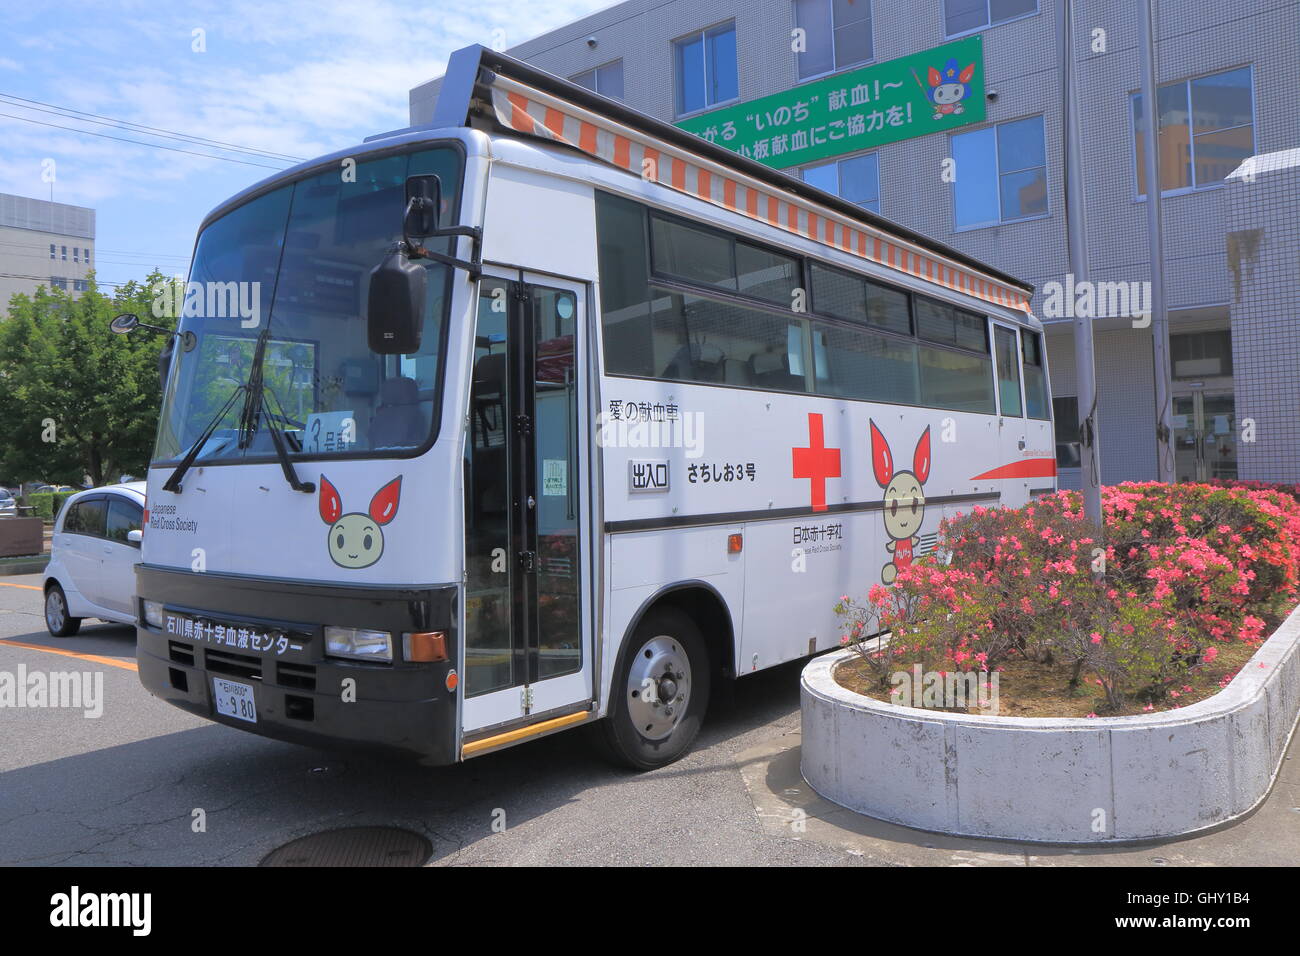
(904, 499)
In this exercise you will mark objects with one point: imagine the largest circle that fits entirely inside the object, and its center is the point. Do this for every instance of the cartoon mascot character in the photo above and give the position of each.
(949, 87)
(904, 499)
(356, 539)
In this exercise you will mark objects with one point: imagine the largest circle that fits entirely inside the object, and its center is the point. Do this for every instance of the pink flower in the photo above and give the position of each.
(1096, 637)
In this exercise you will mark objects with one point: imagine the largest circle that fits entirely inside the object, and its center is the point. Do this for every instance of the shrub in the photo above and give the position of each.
(47, 504)
(1183, 567)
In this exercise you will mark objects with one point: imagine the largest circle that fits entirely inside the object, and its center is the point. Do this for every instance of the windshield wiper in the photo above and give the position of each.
(278, 440)
(173, 484)
(256, 407)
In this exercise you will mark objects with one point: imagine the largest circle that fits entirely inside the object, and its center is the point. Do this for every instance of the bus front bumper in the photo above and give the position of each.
(294, 692)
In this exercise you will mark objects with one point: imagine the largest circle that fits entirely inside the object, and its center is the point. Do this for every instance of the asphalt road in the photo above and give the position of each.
(123, 788)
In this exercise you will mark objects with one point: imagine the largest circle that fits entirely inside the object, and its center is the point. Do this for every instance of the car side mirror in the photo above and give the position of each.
(135, 537)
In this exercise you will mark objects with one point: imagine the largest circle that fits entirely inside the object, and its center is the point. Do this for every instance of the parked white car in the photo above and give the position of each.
(93, 555)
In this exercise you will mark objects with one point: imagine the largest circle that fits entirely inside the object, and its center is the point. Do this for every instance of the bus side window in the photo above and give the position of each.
(1031, 347)
(1008, 360)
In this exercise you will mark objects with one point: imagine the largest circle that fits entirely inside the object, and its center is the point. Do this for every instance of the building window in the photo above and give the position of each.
(606, 80)
(80, 285)
(1001, 174)
(1065, 414)
(87, 257)
(837, 35)
(962, 16)
(856, 179)
(1206, 129)
(57, 282)
(52, 251)
(1196, 355)
(76, 253)
(65, 253)
(706, 69)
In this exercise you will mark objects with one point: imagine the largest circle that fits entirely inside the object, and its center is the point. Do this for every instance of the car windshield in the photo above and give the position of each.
(292, 267)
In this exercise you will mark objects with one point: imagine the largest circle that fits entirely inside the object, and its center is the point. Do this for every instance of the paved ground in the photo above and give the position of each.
(123, 788)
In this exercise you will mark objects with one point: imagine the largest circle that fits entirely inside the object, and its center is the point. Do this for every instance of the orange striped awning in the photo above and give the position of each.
(527, 110)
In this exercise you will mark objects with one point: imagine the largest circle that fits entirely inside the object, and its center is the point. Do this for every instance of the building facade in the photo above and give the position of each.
(43, 243)
(991, 182)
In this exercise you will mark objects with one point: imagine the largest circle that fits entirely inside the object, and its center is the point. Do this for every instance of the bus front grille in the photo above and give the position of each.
(234, 665)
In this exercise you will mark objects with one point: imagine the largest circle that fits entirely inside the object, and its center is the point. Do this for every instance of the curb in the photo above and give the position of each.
(34, 566)
(1056, 780)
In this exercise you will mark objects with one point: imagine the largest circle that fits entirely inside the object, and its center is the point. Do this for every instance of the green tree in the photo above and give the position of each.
(75, 399)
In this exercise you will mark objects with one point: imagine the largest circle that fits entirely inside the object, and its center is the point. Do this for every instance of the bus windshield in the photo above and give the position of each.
(291, 268)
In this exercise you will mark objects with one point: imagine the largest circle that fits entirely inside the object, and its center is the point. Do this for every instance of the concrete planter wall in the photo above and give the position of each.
(1056, 780)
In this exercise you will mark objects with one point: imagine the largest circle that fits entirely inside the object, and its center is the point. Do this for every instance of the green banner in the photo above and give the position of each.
(927, 92)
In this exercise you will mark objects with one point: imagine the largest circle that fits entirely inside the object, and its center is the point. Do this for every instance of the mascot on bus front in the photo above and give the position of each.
(904, 499)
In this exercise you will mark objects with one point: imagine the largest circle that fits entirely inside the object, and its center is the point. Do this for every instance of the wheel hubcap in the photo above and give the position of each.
(54, 611)
(658, 687)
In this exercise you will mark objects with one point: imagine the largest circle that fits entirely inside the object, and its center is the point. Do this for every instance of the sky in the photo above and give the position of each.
(298, 78)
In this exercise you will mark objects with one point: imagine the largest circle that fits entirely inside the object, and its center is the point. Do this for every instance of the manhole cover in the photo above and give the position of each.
(354, 846)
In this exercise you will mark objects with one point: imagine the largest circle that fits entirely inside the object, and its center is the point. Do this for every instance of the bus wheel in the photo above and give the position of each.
(660, 692)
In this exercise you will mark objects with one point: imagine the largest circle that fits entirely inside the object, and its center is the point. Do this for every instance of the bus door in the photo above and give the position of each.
(526, 653)
(1012, 434)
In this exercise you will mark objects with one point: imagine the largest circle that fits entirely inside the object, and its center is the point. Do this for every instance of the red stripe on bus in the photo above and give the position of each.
(1028, 468)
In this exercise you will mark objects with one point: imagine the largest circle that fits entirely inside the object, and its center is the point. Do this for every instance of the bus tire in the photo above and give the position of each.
(660, 692)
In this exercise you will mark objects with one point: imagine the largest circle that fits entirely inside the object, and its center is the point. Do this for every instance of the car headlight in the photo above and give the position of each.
(359, 644)
(153, 614)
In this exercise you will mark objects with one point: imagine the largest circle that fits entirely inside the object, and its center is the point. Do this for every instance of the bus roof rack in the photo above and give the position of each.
(482, 81)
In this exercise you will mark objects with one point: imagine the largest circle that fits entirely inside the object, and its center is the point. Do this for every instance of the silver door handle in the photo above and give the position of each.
(531, 503)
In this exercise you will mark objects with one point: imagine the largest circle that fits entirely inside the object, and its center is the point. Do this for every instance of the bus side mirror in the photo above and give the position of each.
(423, 206)
(395, 304)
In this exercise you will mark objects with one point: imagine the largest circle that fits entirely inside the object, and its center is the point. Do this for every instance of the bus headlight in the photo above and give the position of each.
(153, 614)
(359, 644)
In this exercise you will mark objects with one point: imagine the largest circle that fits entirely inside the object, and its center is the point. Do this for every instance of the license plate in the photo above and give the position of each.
(234, 699)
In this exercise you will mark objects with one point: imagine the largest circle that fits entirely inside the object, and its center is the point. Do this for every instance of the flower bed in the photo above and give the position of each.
(1188, 573)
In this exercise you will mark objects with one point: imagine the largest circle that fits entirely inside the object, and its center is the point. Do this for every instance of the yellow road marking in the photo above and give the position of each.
(96, 658)
(30, 587)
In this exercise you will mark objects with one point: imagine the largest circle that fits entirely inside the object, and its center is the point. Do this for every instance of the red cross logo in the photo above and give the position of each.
(816, 462)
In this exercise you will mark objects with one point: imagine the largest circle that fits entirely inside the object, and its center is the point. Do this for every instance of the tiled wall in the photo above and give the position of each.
(1195, 37)
(1264, 221)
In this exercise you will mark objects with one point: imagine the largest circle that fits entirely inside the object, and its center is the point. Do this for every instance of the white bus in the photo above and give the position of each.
(551, 415)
